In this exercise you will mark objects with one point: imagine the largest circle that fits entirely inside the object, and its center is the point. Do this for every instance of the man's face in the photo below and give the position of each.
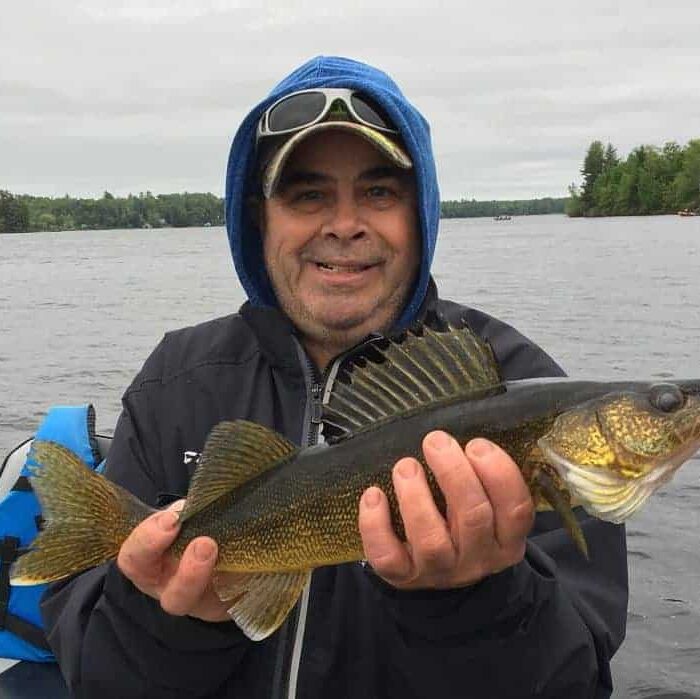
(341, 241)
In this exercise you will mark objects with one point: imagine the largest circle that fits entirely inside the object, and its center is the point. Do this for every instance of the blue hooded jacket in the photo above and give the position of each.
(330, 71)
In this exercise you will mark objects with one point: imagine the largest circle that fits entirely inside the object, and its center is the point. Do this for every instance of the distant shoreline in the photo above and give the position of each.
(28, 214)
(22, 213)
(222, 225)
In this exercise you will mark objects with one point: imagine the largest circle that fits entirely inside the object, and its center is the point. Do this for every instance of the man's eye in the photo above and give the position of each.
(307, 200)
(311, 194)
(380, 191)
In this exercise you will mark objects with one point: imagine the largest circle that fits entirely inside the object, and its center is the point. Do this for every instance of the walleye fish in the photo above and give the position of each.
(278, 511)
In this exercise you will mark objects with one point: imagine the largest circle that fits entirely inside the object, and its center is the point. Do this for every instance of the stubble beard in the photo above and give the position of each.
(341, 332)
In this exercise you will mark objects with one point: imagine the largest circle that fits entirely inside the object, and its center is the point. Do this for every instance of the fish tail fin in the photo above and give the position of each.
(87, 518)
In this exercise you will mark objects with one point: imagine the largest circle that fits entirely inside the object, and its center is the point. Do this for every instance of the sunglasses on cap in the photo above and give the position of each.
(308, 107)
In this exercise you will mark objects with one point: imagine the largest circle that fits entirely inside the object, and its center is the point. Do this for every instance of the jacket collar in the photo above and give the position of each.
(275, 334)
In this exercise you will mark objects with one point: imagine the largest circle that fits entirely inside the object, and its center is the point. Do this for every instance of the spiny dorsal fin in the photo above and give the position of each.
(423, 366)
(234, 453)
(262, 601)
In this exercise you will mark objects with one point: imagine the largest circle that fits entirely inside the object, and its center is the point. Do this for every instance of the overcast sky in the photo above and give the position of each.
(134, 96)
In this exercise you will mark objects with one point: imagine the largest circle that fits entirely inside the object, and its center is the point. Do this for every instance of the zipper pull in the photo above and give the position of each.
(316, 407)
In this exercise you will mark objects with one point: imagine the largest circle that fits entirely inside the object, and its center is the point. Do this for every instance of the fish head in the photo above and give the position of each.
(613, 452)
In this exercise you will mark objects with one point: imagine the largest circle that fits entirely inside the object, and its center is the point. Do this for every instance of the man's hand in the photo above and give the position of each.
(489, 514)
(183, 586)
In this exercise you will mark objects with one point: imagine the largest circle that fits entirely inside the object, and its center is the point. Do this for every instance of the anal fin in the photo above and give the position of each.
(261, 601)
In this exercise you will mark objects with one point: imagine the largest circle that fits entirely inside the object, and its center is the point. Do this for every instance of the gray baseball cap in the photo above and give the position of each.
(382, 142)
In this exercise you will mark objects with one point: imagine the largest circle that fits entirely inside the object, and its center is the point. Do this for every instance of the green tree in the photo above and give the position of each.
(673, 156)
(648, 165)
(46, 222)
(14, 214)
(610, 159)
(605, 190)
(574, 207)
(592, 169)
(626, 197)
(673, 159)
(686, 185)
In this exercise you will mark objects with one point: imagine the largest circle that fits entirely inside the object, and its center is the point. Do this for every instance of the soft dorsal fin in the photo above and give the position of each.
(233, 453)
(423, 366)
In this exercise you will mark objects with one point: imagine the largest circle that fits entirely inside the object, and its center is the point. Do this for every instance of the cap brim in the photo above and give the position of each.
(379, 140)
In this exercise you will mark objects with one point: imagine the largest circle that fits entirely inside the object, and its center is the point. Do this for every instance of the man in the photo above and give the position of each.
(332, 213)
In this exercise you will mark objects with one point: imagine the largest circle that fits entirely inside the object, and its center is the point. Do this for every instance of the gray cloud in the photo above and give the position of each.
(131, 96)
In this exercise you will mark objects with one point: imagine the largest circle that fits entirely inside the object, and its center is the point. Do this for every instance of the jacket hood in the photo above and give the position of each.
(329, 71)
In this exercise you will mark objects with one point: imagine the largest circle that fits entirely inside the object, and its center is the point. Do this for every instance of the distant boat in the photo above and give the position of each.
(688, 212)
(502, 217)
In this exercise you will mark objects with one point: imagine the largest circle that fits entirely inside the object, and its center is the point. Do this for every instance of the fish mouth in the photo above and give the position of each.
(609, 495)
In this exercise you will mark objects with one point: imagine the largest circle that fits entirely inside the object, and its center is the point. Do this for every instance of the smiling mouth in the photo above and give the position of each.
(346, 268)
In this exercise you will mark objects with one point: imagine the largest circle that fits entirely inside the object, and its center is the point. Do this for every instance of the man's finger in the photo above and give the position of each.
(184, 590)
(432, 547)
(504, 485)
(384, 551)
(141, 555)
(469, 511)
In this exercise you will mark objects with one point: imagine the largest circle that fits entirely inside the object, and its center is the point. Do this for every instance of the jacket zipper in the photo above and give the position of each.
(289, 658)
(315, 413)
(318, 387)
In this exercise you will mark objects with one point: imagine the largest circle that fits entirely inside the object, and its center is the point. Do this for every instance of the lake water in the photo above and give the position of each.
(608, 298)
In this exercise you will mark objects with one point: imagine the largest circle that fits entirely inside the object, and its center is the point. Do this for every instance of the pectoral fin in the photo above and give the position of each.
(559, 501)
(261, 601)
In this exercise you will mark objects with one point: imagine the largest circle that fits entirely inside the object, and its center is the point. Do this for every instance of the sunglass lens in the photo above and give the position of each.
(296, 111)
(370, 112)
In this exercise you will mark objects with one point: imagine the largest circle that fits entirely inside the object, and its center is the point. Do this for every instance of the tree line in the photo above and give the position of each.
(651, 180)
(21, 213)
(520, 207)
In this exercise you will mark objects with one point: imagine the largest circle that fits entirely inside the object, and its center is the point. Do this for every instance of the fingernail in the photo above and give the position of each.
(371, 497)
(440, 440)
(479, 448)
(408, 468)
(203, 550)
(167, 520)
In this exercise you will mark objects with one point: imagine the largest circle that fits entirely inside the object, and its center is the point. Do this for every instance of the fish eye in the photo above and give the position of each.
(666, 397)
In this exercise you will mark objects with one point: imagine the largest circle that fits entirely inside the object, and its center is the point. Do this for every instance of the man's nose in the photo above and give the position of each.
(345, 220)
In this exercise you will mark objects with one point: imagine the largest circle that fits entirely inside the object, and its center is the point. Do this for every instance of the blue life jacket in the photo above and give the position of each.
(21, 629)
